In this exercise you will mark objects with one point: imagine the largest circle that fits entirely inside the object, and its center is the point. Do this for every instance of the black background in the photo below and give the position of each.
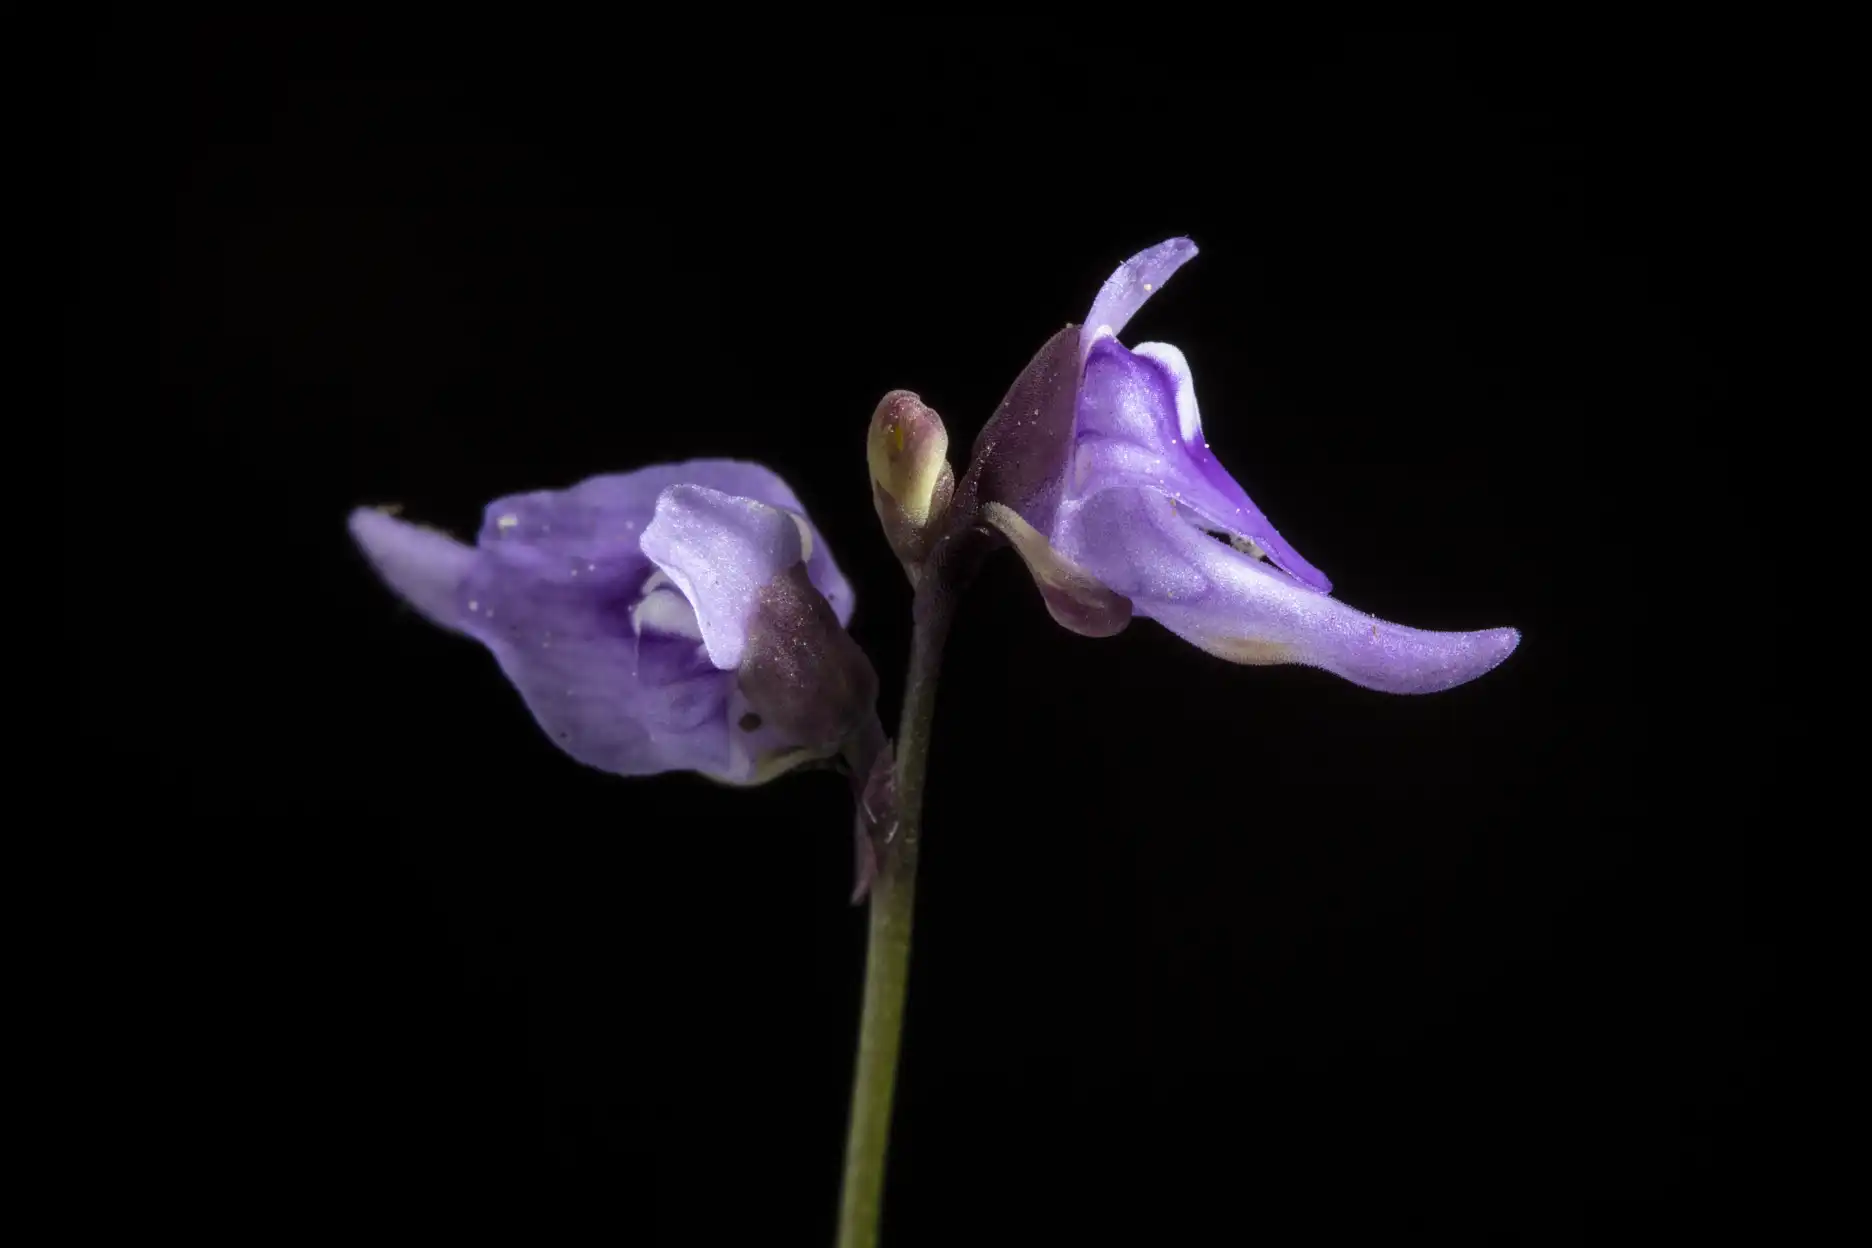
(1205, 954)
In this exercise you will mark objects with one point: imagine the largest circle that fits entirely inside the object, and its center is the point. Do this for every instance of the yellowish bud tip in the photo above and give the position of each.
(908, 451)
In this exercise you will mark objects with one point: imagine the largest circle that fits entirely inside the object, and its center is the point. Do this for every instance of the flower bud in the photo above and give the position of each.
(911, 480)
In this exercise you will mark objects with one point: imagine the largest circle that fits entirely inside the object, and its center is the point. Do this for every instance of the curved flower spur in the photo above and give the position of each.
(1095, 469)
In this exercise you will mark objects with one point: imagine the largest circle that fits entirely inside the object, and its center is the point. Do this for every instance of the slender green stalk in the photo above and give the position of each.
(893, 899)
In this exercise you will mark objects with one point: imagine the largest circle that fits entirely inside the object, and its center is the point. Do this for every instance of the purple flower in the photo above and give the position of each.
(1096, 469)
(683, 617)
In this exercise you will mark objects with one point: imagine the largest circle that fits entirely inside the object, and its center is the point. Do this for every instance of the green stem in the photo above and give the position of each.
(893, 900)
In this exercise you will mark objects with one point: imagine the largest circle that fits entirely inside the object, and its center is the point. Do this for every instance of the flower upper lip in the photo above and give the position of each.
(1170, 431)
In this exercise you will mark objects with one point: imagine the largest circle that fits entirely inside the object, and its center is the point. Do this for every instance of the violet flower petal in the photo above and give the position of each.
(1140, 544)
(1127, 289)
(599, 513)
(619, 687)
(1138, 425)
(426, 567)
(720, 550)
(615, 700)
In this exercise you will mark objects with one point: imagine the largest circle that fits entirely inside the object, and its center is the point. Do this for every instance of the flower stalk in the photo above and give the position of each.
(893, 900)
